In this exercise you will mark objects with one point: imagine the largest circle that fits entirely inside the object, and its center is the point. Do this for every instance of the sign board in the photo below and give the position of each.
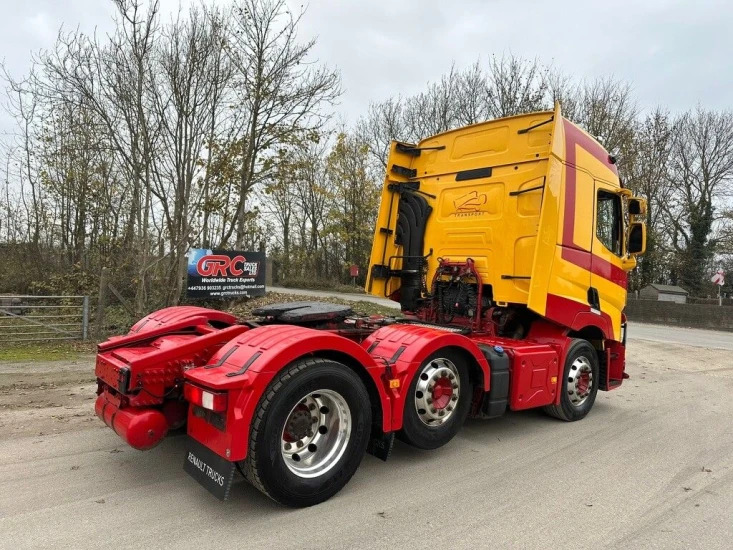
(719, 278)
(215, 273)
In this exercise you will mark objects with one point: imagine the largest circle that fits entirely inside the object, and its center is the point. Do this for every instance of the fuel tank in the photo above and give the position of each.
(141, 428)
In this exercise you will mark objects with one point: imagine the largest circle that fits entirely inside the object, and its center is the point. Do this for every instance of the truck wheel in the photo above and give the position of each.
(578, 392)
(309, 433)
(437, 402)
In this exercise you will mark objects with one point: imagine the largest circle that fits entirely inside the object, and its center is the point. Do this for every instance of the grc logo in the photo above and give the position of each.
(219, 265)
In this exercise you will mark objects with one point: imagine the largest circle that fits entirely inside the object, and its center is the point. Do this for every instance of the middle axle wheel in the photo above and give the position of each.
(438, 400)
(437, 392)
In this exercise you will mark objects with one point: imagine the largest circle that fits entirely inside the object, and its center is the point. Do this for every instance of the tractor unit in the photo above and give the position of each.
(507, 245)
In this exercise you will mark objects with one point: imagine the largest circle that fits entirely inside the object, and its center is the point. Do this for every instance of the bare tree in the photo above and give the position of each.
(382, 123)
(279, 91)
(702, 175)
(648, 171)
(115, 80)
(515, 85)
(188, 96)
(607, 110)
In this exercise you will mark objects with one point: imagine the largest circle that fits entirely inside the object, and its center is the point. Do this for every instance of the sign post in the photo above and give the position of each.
(215, 273)
(719, 279)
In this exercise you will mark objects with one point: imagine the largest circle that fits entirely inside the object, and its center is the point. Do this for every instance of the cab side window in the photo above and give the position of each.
(608, 221)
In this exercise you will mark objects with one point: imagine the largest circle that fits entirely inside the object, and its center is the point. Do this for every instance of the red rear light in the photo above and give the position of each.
(214, 401)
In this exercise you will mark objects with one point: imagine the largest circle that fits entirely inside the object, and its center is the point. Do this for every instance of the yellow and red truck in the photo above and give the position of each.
(507, 245)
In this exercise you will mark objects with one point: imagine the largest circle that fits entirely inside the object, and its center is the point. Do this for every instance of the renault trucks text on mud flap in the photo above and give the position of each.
(507, 245)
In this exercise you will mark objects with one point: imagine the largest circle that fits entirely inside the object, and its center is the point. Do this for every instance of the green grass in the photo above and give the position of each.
(45, 351)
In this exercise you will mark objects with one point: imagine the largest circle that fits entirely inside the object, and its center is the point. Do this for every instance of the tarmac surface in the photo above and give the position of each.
(650, 467)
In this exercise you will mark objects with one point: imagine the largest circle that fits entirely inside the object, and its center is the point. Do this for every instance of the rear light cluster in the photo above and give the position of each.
(213, 401)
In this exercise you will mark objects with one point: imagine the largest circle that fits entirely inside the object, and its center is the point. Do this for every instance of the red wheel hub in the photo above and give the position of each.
(442, 392)
(297, 424)
(583, 382)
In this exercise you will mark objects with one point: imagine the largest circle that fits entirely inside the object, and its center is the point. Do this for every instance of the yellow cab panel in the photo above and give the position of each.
(521, 197)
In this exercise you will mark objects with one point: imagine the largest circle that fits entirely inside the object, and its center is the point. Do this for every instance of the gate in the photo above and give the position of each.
(43, 318)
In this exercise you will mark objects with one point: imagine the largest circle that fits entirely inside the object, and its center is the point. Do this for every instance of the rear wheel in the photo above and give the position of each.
(580, 375)
(309, 433)
(438, 401)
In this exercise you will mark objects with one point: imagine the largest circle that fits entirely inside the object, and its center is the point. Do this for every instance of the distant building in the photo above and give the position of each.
(664, 293)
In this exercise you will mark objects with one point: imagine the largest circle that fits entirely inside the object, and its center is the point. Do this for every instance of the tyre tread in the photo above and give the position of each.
(250, 468)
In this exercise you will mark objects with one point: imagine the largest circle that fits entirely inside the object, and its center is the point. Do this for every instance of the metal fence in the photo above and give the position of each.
(43, 318)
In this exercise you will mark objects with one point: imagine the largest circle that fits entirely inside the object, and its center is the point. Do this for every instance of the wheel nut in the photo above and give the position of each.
(430, 401)
(311, 406)
(287, 446)
(455, 386)
(441, 413)
(300, 443)
(451, 376)
(310, 433)
(432, 410)
(454, 397)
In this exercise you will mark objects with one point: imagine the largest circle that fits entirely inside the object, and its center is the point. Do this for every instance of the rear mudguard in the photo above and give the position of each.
(404, 347)
(246, 365)
(169, 320)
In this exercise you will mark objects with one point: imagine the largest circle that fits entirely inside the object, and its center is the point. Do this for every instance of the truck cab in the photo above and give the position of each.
(535, 205)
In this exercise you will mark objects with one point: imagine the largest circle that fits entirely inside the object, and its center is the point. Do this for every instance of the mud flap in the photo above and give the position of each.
(381, 445)
(209, 469)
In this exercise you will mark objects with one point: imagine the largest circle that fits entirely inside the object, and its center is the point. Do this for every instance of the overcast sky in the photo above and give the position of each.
(674, 53)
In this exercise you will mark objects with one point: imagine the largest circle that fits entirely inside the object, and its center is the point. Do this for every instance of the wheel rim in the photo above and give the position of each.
(437, 392)
(316, 433)
(580, 381)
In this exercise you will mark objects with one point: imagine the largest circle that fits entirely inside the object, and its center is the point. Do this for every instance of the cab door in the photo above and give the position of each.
(607, 293)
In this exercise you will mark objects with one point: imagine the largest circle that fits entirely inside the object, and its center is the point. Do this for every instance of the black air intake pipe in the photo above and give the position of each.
(412, 215)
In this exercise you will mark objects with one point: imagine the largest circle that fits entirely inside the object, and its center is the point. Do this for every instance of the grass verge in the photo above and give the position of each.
(244, 309)
(45, 351)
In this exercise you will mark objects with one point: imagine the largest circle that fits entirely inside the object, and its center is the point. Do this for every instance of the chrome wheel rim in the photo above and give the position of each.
(580, 381)
(437, 392)
(316, 433)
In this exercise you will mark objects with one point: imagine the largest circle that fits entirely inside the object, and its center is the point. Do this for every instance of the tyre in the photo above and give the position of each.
(578, 392)
(309, 433)
(437, 402)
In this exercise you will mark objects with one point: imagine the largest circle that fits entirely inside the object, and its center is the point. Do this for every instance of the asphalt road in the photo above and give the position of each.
(650, 467)
(687, 336)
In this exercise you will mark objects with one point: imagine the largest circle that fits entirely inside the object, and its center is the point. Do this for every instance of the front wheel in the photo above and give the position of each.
(580, 383)
(310, 433)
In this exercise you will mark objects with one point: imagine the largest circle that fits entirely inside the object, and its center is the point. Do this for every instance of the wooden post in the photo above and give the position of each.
(85, 318)
(101, 303)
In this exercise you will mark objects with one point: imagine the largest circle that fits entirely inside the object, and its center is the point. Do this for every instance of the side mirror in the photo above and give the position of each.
(636, 206)
(637, 238)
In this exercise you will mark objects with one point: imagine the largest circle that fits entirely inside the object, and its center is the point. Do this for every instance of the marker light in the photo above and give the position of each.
(214, 401)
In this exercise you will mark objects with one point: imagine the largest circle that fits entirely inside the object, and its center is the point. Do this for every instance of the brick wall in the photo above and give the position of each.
(684, 315)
